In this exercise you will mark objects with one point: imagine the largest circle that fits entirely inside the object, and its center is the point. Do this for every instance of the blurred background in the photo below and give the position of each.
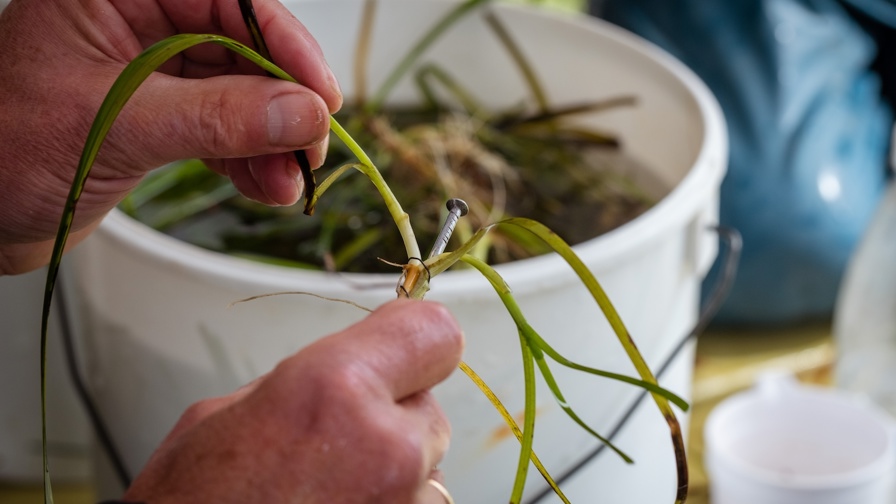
(806, 87)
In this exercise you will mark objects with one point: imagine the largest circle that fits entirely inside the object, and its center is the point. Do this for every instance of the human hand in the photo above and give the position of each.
(59, 59)
(349, 419)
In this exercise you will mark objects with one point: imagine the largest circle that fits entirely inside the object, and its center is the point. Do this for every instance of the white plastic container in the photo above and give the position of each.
(865, 315)
(160, 334)
(785, 443)
(68, 432)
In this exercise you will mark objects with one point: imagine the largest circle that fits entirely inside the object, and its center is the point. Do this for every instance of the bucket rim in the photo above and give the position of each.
(674, 211)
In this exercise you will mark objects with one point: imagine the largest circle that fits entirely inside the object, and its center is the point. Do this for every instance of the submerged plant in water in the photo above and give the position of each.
(417, 272)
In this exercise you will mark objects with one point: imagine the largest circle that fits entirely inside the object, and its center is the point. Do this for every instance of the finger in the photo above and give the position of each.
(292, 46)
(216, 165)
(201, 410)
(437, 475)
(427, 416)
(221, 117)
(241, 176)
(276, 179)
(278, 176)
(317, 153)
(407, 346)
(433, 491)
(147, 21)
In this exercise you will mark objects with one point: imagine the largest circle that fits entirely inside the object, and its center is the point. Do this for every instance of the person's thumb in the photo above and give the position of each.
(233, 116)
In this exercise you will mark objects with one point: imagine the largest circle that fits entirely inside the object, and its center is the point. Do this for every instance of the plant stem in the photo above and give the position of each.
(522, 469)
(362, 52)
(521, 62)
(511, 423)
(401, 218)
(376, 102)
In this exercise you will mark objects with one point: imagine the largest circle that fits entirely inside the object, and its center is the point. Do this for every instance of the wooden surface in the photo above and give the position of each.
(727, 362)
(31, 494)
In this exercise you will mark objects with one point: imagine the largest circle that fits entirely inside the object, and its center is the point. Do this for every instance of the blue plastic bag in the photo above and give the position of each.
(883, 11)
(809, 137)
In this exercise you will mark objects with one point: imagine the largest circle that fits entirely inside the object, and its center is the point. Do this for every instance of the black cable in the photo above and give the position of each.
(74, 371)
(734, 242)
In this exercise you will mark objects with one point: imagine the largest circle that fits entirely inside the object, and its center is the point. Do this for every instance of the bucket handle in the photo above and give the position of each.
(72, 365)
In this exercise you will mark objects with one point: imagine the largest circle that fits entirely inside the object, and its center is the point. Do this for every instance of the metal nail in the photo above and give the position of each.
(457, 208)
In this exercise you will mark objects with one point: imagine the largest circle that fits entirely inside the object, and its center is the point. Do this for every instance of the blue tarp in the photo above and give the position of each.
(809, 136)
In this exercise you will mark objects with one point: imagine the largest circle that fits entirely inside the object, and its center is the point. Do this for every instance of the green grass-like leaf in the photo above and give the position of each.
(511, 422)
(127, 82)
(433, 34)
(606, 306)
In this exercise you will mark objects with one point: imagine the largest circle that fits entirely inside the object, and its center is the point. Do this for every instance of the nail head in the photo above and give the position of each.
(459, 205)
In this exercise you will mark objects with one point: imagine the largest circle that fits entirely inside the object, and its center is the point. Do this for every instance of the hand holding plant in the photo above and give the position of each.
(296, 434)
(416, 272)
(60, 58)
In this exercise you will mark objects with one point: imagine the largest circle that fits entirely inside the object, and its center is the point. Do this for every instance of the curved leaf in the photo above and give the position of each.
(508, 418)
(603, 301)
(127, 82)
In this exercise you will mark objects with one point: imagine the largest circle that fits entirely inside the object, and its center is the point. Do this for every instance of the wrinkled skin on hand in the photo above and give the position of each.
(349, 419)
(59, 59)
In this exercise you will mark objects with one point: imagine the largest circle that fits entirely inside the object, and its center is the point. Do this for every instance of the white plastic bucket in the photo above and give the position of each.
(784, 443)
(68, 432)
(160, 334)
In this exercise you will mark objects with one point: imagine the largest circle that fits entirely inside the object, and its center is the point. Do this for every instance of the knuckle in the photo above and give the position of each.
(347, 382)
(402, 459)
(435, 311)
(339, 385)
(198, 411)
(442, 317)
(218, 124)
(439, 423)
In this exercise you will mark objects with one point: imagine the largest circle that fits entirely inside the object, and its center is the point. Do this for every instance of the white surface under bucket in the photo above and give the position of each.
(160, 334)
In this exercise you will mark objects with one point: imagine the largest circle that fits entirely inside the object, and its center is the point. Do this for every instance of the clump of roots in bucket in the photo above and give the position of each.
(530, 160)
(568, 179)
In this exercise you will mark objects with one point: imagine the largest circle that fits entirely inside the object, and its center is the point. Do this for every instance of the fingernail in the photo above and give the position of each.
(335, 88)
(300, 187)
(294, 120)
(334, 84)
(317, 153)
